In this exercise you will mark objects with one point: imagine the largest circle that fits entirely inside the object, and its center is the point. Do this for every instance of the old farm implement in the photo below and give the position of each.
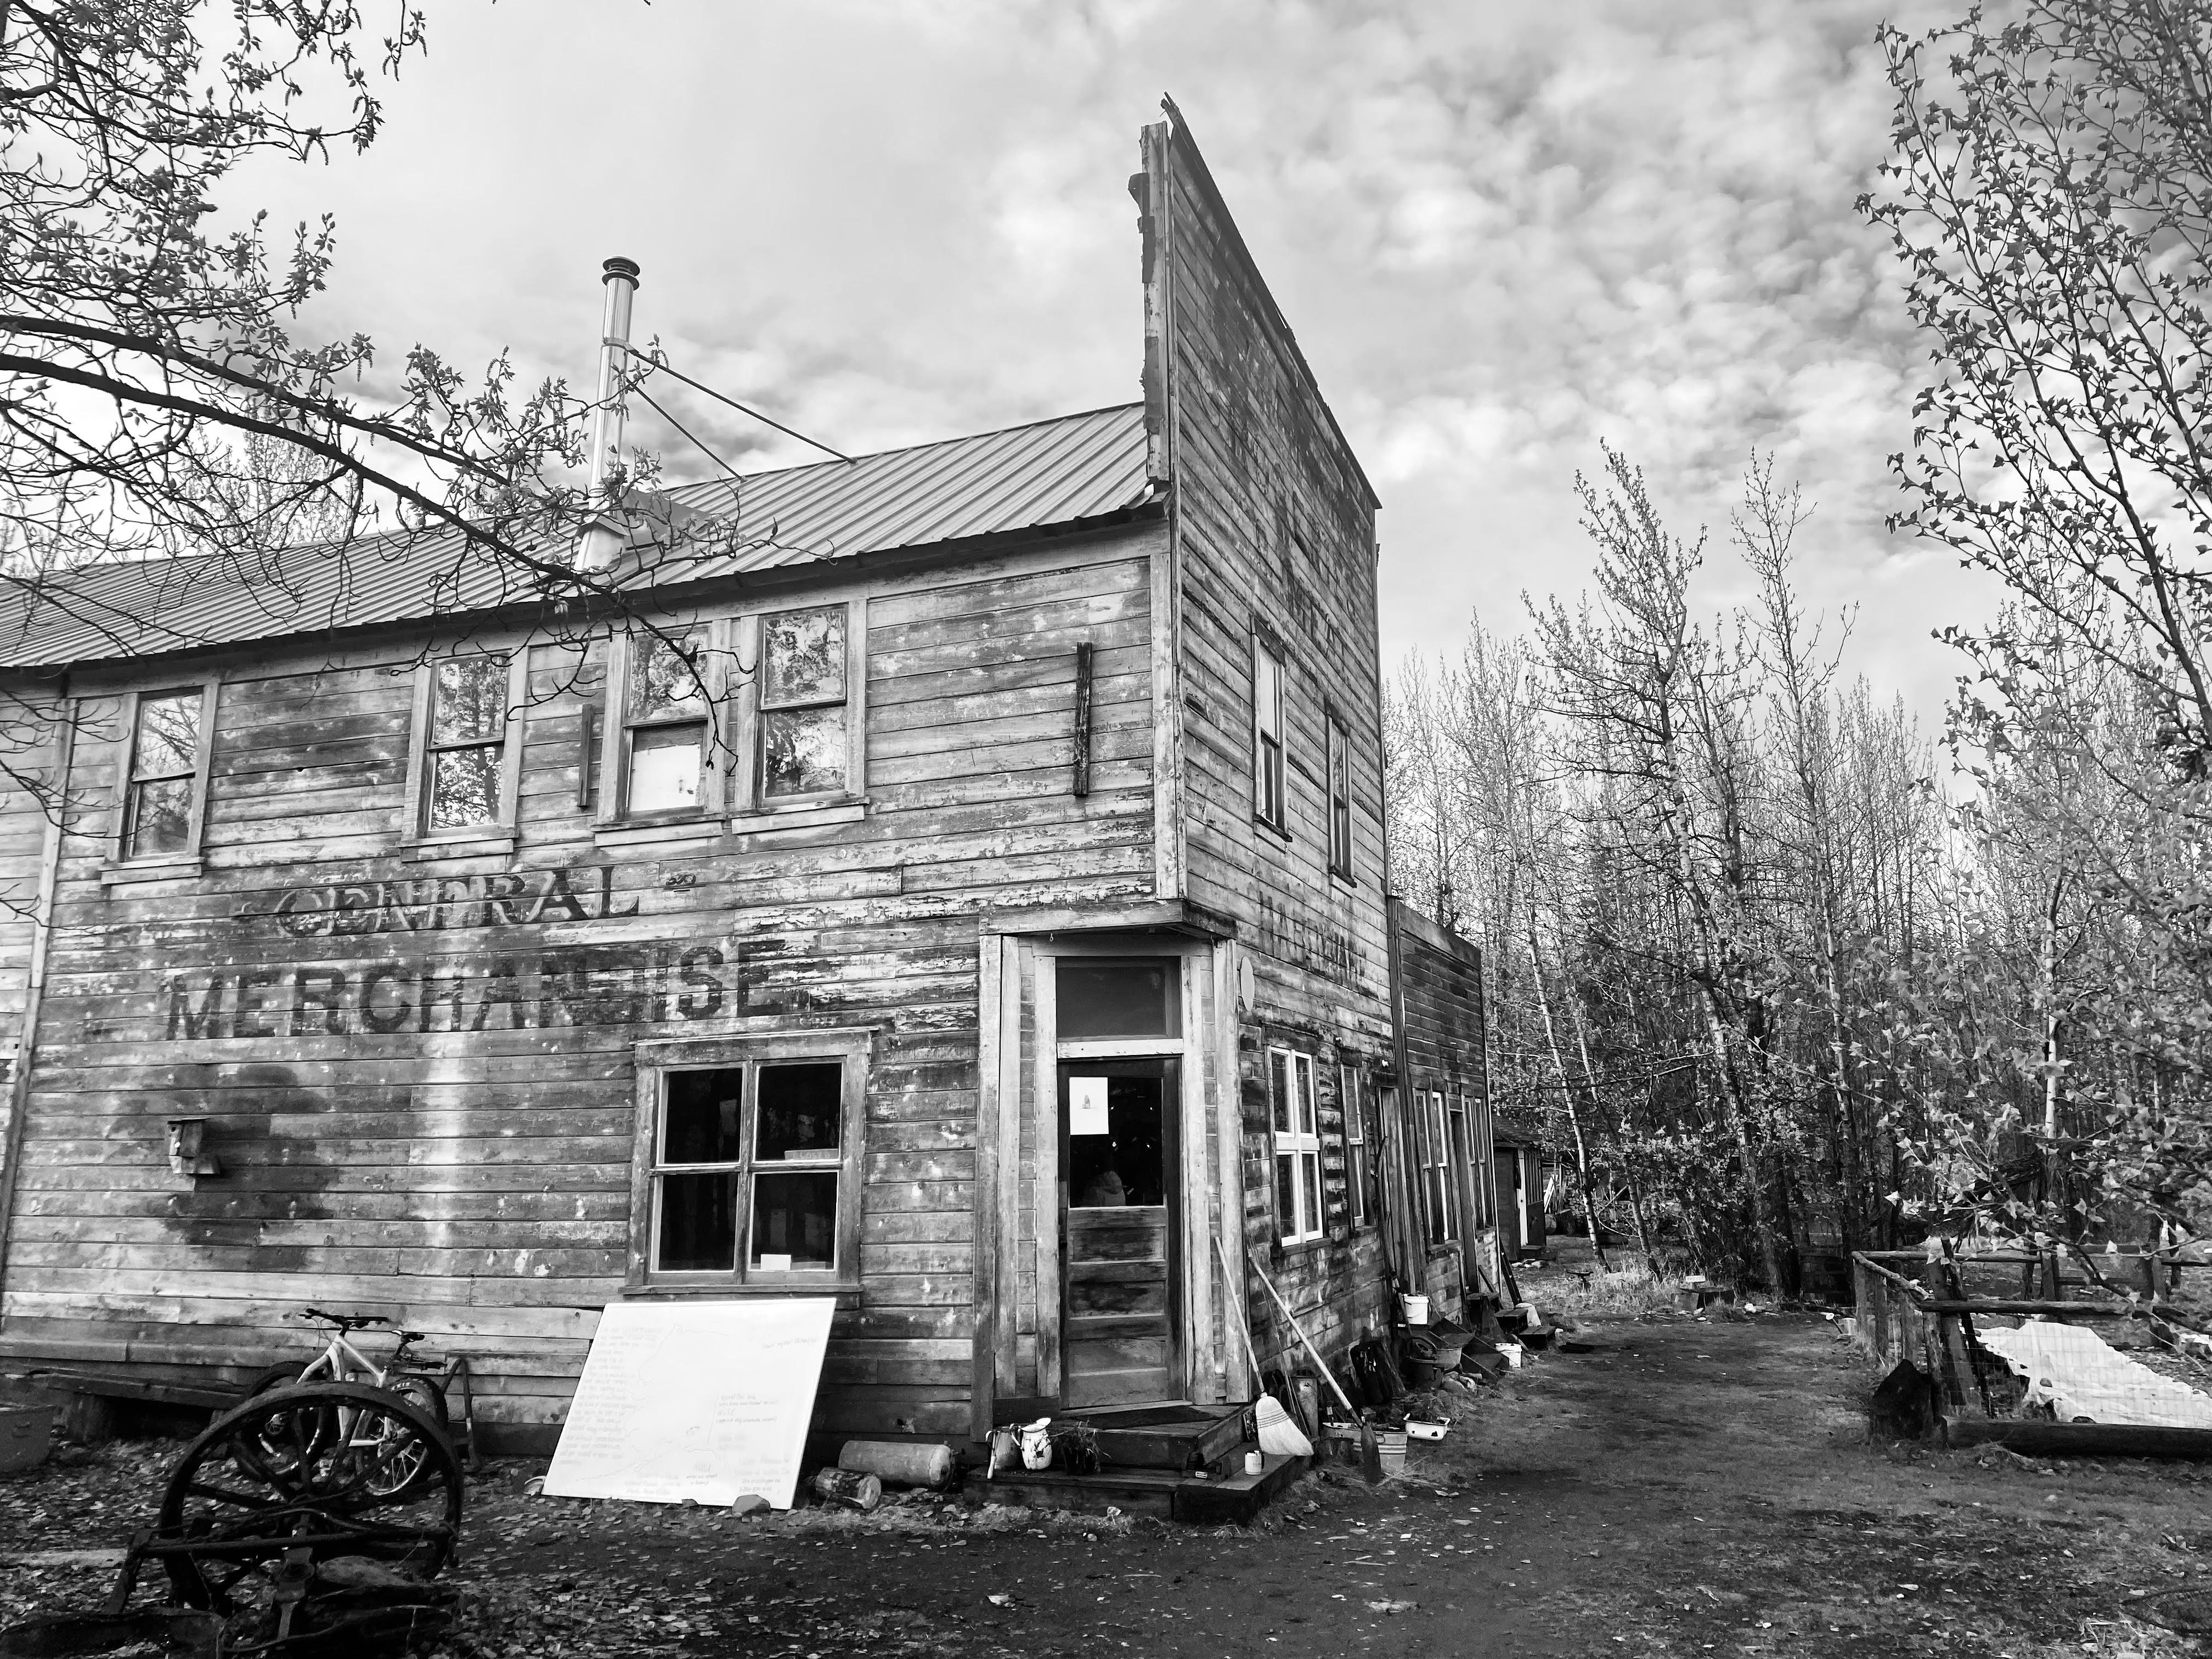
(309, 1521)
(2010, 1347)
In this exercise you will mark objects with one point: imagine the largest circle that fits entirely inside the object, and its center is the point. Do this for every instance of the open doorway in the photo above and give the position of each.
(1121, 1219)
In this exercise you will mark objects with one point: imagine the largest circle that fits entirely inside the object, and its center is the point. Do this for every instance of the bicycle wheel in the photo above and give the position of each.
(424, 1395)
(396, 1454)
(290, 1437)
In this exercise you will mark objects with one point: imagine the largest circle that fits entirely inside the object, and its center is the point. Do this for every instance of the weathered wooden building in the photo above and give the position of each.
(967, 901)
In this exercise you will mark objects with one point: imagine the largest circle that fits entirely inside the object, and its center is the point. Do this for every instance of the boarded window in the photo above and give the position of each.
(753, 1174)
(666, 724)
(1297, 1146)
(1267, 735)
(165, 763)
(804, 742)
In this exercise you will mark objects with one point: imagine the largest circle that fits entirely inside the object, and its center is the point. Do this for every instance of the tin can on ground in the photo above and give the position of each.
(849, 1488)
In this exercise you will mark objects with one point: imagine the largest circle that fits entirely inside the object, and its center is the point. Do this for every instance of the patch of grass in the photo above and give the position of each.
(1633, 1287)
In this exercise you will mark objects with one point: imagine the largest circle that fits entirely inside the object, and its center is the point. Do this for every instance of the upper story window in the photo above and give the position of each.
(1297, 1146)
(1267, 804)
(468, 742)
(804, 740)
(668, 724)
(468, 758)
(1339, 799)
(164, 789)
(754, 714)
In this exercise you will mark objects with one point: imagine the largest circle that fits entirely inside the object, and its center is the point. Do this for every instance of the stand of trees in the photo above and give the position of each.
(1787, 976)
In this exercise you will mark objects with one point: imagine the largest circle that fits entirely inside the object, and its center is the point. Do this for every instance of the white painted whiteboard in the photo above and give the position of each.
(704, 1401)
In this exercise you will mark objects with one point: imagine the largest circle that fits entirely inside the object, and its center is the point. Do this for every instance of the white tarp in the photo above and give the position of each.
(703, 1400)
(2084, 1378)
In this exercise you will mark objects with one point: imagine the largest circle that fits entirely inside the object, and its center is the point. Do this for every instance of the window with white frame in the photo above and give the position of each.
(1267, 802)
(1339, 799)
(164, 778)
(1356, 1177)
(1435, 1170)
(667, 723)
(1297, 1146)
(804, 738)
(749, 1160)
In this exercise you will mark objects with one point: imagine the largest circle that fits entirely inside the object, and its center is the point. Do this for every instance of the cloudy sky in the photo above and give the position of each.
(1503, 232)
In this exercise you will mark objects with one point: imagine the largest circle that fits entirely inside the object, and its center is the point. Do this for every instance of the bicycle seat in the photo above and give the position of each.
(414, 1336)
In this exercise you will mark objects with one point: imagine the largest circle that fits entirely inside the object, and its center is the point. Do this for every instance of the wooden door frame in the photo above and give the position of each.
(1175, 1198)
(1194, 1290)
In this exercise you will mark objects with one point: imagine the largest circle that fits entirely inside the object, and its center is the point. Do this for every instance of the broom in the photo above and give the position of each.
(1371, 1453)
(1277, 1434)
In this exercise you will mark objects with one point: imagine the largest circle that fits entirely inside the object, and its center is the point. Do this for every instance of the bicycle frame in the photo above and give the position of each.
(332, 1366)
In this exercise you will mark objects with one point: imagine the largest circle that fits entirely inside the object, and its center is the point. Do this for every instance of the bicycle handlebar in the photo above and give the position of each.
(343, 1321)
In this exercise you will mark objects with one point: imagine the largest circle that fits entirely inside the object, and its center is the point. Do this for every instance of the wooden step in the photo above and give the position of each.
(1085, 1326)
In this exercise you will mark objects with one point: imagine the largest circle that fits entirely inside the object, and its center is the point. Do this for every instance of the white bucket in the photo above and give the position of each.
(1417, 1309)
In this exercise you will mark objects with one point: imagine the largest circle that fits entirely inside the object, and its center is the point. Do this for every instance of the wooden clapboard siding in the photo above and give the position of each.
(477, 1182)
(1274, 529)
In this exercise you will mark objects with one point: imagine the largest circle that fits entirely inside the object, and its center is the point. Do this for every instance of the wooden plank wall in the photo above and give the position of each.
(475, 1181)
(1440, 1004)
(1273, 524)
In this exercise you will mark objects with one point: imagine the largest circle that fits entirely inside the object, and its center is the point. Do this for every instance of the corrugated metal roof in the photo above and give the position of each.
(1026, 477)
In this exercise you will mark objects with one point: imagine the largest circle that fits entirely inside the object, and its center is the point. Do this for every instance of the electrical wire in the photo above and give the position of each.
(695, 442)
(743, 409)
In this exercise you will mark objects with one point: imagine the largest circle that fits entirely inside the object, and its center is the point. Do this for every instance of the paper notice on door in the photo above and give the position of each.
(1086, 1106)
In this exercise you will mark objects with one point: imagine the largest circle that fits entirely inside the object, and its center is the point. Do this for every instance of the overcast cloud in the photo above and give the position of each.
(1503, 232)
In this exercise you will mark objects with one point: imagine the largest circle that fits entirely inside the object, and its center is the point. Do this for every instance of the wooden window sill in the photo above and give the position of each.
(847, 1294)
(1273, 829)
(661, 832)
(162, 869)
(494, 842)
(800, 815)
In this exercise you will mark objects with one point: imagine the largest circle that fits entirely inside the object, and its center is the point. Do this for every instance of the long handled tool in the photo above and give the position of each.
(1371, 1454)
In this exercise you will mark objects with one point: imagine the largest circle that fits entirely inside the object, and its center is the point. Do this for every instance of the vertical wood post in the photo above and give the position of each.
(1080, 784)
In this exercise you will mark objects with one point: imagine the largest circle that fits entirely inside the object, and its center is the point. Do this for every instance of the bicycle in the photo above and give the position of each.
(394, 1456)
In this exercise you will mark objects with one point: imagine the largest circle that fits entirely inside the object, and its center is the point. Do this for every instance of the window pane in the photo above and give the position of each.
(1301, 1069)
(1278, 1089)
(1118, 997)
(168, 736)
(801, 1108)
(468, 700)
(803, 656)
(1286, 1193)
(664, 763)
(160, 817)
(1310, 1162)
(698, 1223)
(699, 1117)
(464, 787)
(1266, 693)
(795, 1215)
(803, 751)
(663, 676)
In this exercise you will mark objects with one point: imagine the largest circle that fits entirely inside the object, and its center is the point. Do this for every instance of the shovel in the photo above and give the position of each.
(1371, 1454)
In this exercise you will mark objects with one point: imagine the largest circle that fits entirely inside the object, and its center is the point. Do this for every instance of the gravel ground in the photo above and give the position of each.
(1686, 1488)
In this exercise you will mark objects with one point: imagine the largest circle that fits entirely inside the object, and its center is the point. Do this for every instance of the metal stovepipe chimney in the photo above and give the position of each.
(602, 538)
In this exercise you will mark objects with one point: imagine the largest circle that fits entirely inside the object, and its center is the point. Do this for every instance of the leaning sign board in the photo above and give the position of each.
(702, 1401)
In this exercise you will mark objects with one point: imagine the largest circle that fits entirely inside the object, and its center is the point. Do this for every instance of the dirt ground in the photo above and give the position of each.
(1685, 1488)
